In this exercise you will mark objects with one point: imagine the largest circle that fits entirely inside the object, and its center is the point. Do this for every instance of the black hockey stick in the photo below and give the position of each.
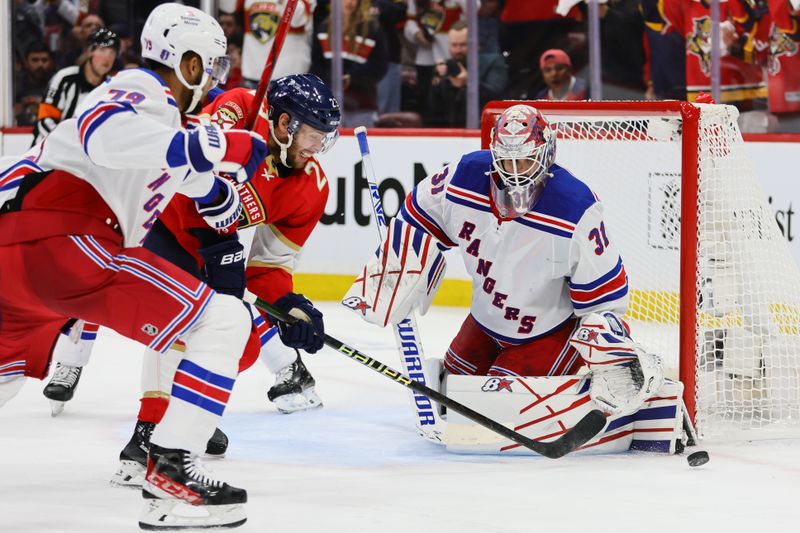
(586, 428)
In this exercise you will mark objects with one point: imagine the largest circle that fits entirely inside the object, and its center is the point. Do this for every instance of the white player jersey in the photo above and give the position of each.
(128, 143)
(261, 21)
(529, 274)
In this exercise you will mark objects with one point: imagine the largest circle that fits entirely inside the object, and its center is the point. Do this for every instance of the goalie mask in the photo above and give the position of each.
(523, 147)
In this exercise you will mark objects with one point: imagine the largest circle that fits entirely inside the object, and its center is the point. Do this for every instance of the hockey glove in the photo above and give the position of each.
(308, 332)
(222, 210)
(623, 374)
(403, 275)
(236, 152)
(223, 267)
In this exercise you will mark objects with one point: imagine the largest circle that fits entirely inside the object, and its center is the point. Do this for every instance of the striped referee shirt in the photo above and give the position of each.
(66, 90)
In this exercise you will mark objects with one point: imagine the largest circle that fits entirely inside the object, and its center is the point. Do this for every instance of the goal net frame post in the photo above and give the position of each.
(690, 119)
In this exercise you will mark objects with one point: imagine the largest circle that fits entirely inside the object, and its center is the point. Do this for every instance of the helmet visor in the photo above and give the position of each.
(315, 140)
(218, 72)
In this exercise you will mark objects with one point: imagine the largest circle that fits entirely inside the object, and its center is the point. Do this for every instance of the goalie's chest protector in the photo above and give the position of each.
(520, 268)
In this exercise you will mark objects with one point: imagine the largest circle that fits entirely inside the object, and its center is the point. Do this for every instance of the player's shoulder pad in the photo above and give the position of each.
(565, 196)
(228, 109)
(470, 173)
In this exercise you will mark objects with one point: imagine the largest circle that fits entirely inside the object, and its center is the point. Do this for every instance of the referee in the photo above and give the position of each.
(69, 85)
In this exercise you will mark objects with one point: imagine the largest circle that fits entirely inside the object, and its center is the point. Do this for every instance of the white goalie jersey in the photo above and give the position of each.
(530, 274)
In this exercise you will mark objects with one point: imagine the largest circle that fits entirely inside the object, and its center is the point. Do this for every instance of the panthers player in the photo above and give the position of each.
(74, 214)
(284, 201)
(548, 285)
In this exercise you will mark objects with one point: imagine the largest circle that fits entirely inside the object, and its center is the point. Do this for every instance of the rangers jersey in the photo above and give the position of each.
(283, 204)
(128, 144)
(530, 274)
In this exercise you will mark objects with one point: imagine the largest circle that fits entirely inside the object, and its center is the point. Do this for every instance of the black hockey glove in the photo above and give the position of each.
(306, 333)
(223, 268)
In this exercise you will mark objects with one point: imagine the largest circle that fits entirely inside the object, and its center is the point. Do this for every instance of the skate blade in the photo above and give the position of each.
(168, 514)
(56, 407)
(293, 403)
(130, 475)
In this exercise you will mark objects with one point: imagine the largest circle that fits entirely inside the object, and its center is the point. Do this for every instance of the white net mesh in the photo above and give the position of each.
(747, 357)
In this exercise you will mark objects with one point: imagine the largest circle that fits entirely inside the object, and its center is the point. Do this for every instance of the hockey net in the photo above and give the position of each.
(713, 287)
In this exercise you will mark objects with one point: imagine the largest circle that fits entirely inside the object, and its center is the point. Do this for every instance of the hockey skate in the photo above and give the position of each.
(62, 387)
(133, 457)
(179, 493)
(294, 389)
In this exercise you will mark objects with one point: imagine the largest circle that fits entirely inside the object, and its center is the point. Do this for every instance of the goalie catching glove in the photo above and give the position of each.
(404, 274)
(623, 374)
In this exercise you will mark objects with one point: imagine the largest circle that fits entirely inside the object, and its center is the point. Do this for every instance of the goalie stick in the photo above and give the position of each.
(406, 333)
(272, 58)
(586, 428)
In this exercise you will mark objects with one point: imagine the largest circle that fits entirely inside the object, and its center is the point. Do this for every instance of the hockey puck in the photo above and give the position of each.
(697, 458)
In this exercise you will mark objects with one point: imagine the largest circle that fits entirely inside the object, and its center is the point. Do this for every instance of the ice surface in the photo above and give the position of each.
(357, 465)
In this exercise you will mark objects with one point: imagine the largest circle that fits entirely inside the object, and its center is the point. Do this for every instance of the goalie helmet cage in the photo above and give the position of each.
(714, 289)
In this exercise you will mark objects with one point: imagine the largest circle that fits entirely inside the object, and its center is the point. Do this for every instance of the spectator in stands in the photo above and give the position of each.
(231, 25)
(528, 28)
(71, 84)
(448, 100)
(31, 83)
(364, 61)
(666, 62)
(128, 56)
(27, 28)
(391, 14)
(427, 26)
(261, 19)
(75, 46)
(557, 73)
(235, 55)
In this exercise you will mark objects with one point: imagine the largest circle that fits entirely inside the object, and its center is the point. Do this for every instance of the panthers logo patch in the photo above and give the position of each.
(699, 43)
(779, 45)
(225, 118)
(263, 20)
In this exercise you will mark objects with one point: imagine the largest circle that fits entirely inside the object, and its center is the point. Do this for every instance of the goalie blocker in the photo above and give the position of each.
(404, 274)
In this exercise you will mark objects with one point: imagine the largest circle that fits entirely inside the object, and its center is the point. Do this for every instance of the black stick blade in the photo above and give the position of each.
(584, 431)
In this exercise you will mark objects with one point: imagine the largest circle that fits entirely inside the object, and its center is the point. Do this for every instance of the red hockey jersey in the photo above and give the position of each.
(742, 80)
(783, 65)
(284, 209)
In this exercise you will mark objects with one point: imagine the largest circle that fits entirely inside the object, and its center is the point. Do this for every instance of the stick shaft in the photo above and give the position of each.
(406, 333)
(582, 432)
(269, 66)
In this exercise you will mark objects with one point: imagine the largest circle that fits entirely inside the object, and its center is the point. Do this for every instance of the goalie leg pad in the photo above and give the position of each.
(404, 274)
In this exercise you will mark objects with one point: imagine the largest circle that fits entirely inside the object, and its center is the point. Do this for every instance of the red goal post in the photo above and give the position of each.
(695, 232)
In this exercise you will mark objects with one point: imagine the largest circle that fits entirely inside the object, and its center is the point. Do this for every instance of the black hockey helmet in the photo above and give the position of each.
(103, 38)
(307, 100)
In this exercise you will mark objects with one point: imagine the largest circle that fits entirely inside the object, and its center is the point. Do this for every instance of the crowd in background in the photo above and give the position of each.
(405, 61)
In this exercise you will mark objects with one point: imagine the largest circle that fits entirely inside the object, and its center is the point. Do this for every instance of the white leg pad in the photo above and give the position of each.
(215, 343)
(9, 387)
(275, 354)
(158, 370)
